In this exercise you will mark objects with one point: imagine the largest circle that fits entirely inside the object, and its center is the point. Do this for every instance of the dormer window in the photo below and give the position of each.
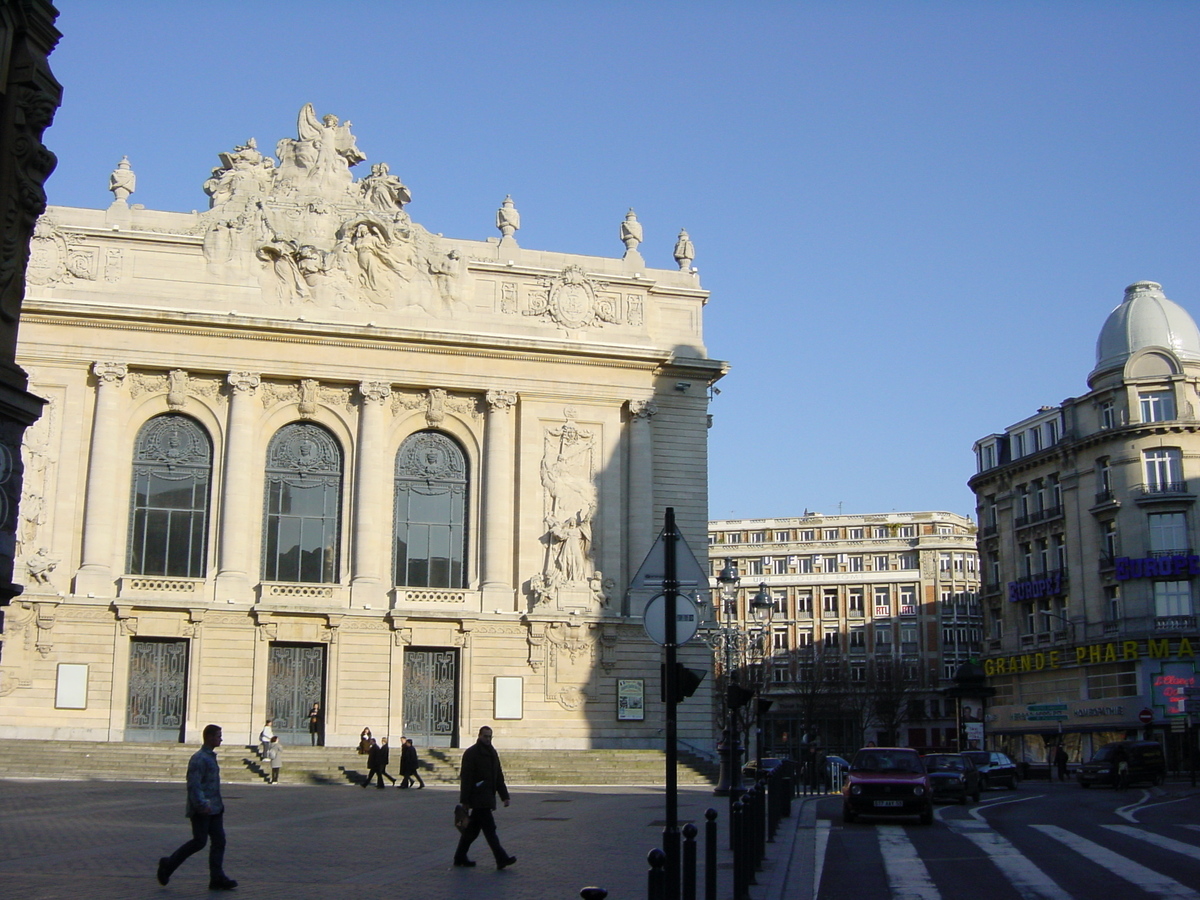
(1157, 406)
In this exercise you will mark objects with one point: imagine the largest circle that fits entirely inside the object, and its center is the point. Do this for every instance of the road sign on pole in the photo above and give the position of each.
(653, 572)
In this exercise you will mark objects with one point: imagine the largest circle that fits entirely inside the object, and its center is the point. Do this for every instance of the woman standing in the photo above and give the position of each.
(314, 722)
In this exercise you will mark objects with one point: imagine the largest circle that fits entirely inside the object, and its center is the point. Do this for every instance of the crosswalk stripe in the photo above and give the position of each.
(1028, 880)
(907, 876)
(1157, 840)
(1141, 876)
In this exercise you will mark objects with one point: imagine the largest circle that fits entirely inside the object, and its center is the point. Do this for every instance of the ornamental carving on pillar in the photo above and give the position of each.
(375, 392)
(110, 372)
(642, 409)
(39, 455)
(243, 382)
(501, 401)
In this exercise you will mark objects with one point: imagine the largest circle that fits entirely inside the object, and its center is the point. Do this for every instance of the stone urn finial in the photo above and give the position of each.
(122, 182)
(685, 250)
(508, 220)
(631, 232)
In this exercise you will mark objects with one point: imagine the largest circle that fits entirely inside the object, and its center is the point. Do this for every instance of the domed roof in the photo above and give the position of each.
(1146, 318)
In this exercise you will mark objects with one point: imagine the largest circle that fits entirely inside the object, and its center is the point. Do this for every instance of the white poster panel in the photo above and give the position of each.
(71, 692)
(509, 700)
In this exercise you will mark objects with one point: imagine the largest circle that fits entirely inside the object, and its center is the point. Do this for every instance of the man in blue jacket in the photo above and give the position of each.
(207, 812)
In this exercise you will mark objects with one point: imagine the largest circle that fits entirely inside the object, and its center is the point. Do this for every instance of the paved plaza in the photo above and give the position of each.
(93, 840)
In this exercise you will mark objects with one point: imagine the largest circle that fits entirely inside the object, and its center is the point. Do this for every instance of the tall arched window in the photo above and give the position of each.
(303, 505)
(168, 526)
(430, 512)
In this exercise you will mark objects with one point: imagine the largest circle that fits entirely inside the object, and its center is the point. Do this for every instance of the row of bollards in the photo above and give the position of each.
(754, 821)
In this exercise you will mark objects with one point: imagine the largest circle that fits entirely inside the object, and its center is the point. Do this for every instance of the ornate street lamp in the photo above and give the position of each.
(762, 607)
(727, 637)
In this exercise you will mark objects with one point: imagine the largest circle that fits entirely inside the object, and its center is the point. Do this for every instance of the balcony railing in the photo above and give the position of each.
(1174, 623)
(1157, 488)
(1103, 497)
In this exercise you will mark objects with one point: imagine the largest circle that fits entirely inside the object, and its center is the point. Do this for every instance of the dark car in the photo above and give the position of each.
(1146, 763)
(887, 781)
(769, 765)
(995, 768)
(953, 776)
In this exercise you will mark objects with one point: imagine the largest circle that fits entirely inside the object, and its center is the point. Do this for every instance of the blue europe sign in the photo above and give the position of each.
(1180, 566)
(1049, 585)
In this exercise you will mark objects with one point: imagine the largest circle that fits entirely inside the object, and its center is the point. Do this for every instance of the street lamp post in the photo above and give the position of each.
(763, 609)
(724, 638)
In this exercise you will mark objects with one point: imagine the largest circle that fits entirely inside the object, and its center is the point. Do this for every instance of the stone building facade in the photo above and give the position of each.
(873, 615)
(298, 449)
(1088, 536)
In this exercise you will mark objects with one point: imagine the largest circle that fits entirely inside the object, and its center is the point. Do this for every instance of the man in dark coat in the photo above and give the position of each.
(382, 761)
(373, 768)
(481, 779)
(410, 765)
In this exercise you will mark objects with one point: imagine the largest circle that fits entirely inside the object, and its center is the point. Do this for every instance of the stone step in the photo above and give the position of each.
(333, 765)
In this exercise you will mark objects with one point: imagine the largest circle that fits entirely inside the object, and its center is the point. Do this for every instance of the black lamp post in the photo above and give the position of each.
(726, 636)
(763, 607)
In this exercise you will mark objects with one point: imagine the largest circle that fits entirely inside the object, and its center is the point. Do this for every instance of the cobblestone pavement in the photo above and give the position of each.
(92, 840)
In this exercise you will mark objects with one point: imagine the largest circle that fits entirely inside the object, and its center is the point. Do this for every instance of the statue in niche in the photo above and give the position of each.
(566, 472)
(383, 191)
(323, 154)
(40, 566)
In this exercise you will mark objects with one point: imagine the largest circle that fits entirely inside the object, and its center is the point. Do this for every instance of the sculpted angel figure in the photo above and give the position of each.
(324, 152)
(383, 190)
(375, 262)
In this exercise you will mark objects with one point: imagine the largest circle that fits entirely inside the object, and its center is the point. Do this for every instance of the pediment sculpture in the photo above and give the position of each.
(311, 234)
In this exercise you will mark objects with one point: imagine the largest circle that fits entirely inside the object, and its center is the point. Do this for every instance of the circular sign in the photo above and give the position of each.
(687, 619)
(1146, 716)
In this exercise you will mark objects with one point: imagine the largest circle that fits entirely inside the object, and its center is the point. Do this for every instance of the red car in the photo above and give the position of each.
(887, 781)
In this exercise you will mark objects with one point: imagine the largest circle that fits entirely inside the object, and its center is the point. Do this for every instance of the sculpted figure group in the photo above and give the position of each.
(312, 235)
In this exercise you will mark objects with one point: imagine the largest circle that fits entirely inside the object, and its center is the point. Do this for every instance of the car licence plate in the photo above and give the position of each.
(889, 802)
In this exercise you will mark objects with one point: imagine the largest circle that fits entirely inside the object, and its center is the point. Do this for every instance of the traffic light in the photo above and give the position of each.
(737, 696)
(686, 681)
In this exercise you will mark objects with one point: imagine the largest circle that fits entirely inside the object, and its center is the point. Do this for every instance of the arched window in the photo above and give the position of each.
(172, 470)
(303, 505)
(430, 512)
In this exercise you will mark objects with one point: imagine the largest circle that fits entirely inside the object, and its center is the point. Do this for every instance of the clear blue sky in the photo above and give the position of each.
(913, 217)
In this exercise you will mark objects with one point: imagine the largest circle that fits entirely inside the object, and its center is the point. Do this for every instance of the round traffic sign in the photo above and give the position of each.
(687, 619)
(1146, 716)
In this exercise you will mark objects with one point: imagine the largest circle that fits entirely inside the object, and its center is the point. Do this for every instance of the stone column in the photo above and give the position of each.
(237, 531)
(370, 556)
(101, 509)
(499, 490)
(642, 527)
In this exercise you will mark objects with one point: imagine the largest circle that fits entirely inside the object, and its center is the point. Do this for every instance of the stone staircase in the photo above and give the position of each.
(336, 765)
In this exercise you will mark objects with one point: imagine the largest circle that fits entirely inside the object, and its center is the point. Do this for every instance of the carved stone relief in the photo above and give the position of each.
(573, 301)
(568, 580)
(39, 454)
(436, 402)
(311, 235)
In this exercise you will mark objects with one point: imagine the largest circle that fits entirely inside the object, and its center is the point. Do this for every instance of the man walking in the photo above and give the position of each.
(410, 765)
(373, 765)
(481, 780)
(207, 812)
(384, 758)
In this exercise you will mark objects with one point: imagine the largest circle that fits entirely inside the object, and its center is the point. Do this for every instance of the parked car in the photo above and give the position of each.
(953, 776)
(995, 768)
(887, 781)
(1146, 763)
(769, 765)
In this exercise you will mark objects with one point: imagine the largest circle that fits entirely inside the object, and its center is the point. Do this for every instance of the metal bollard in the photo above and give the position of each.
(656, 880)
(710, 855)
(789, 789)
(593, 893)
(739, 869)
(688, 878)
(749, 863)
